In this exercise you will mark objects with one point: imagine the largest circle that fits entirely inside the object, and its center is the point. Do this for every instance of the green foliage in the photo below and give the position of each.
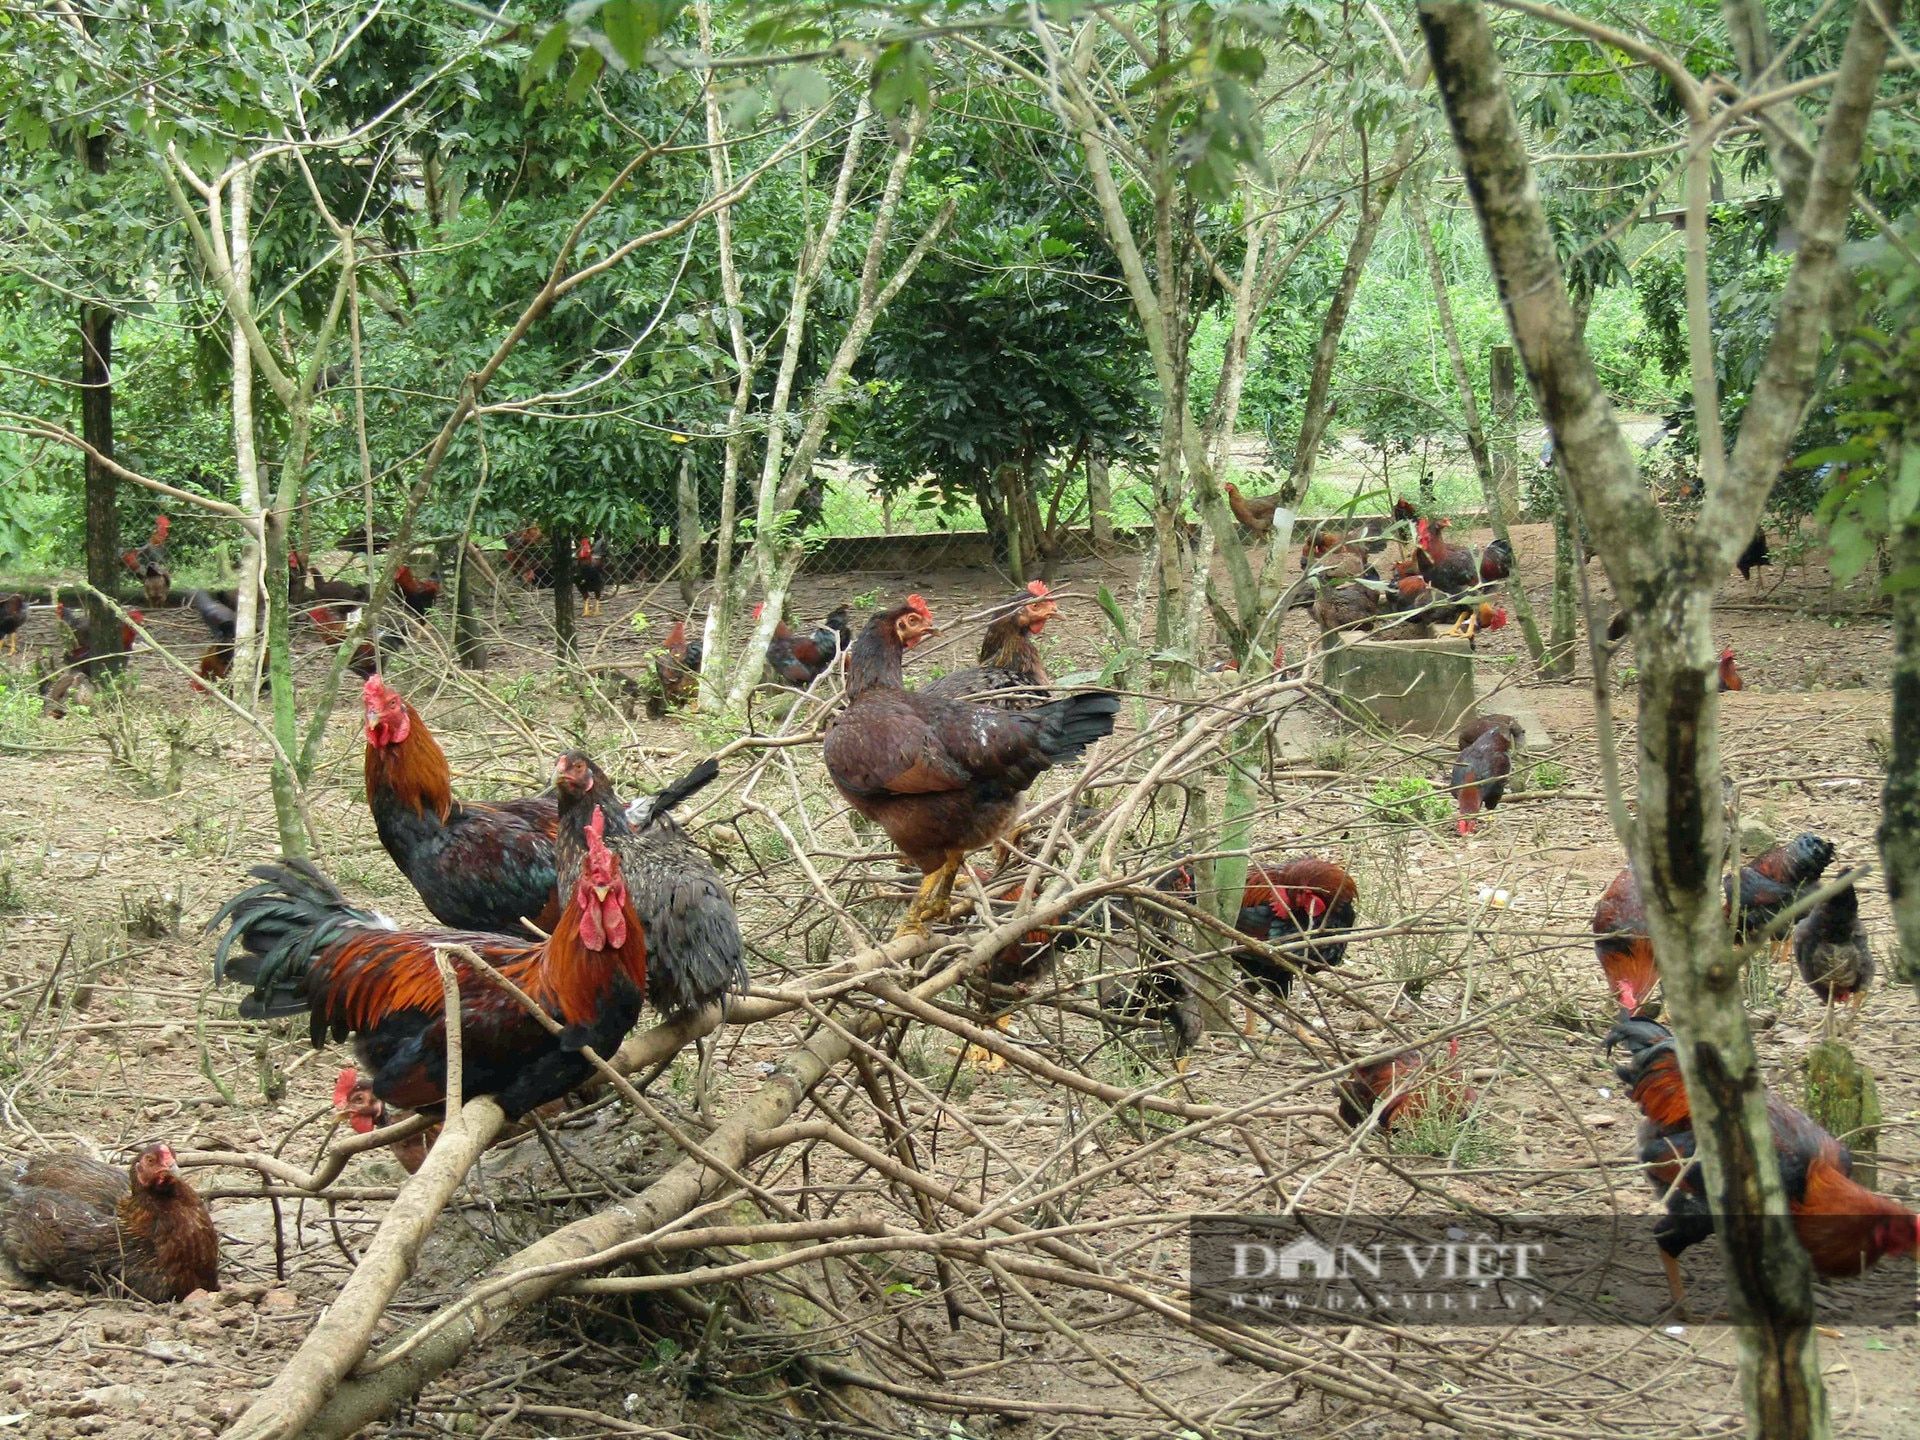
(1549, 775)
(1409, 800)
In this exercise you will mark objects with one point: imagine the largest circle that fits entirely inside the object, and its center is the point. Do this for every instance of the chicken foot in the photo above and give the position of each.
(936, 889)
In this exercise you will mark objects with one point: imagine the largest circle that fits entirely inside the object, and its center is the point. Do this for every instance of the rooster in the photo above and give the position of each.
(1730, 676)
(221, 624)
(418, 595)
(80, 662)
(1830, 946)
(1479, 778)
(13, 614)
(943, 777)
(318, 587)
(355, 1103)
(1011, 675)
(1754, 557)
(149, 562)
(1454, 570)
(304, 949)
(334, 627)
(1156, 990)
(479, 865)
(678, 669)
(1308, 899)
(590, 574)
(1404, 1087)
(71, 1219)
(1624, 945)
(1844, 1227)
(799, 660)
(527, 555)
(1774, 880)
(1255, 512)
(693, 937)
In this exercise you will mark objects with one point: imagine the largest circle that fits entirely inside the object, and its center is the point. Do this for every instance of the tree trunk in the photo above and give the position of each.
(96, 427)
(1315, 413)
(560, 556)
(688, 495)
(1504, 444)
(246, 460)
(455, 558)
(1486, 459)
(1558, 664)
(286, 803)
(1099, 501)
(1900, 800)
(1007, 480)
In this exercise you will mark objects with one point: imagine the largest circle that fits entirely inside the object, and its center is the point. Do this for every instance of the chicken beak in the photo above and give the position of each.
(600, 892)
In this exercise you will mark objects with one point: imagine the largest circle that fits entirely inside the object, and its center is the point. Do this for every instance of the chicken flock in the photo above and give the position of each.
(565, 914)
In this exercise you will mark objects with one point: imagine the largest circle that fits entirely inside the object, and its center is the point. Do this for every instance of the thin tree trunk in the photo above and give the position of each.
(246, 462)
(1315, 413)
(560, 557)
(96, 428)
(1099, 501)
(1559, 659)
(1900, 800)
(1505, 456)
(688, 495)
(1498, 508)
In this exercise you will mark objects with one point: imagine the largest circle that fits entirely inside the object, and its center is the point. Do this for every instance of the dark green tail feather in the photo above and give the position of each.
(281, 925)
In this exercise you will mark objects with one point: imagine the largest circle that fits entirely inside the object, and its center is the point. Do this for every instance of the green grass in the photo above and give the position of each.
(1409, 800)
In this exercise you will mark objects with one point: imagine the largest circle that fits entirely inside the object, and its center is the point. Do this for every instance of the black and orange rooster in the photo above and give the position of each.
(1404, 1087)
(1774, 880)
(590, 574)
(222, 625)
(1307, 900)
(1455, 570)
(1011, 673)
(418, 595)
(799, 660)
(1845, 1227)
(479, 865)
(694, 954)
(73, 1220)
(149, 562)
(943, 777)
(303, 949)
(1624, 945)
(678, 669)
(365, 1112)
(1480, 774)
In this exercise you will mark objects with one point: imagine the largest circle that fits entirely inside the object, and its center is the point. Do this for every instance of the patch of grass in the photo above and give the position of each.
(150, 912)
(21, 722)
(1334, 754)
(1409, 800)
(13, 895)
(1447, 1129)
(1549, 775)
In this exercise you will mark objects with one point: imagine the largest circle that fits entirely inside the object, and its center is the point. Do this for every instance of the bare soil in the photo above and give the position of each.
(112, 818)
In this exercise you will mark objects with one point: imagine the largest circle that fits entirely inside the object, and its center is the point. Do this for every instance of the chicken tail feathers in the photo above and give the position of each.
(642, 812)
(1069, 726)
(280, 925)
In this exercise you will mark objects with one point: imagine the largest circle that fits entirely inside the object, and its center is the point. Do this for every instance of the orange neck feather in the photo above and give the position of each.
(415, 771)
(1662, 1095)
(572, 979)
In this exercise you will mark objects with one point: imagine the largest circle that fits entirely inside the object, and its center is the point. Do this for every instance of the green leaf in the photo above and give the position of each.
(1904, 494)
(1115, 617)
(585, 71)
(1851, 548)
(545, 54)
(624, 27)
(1902, 581)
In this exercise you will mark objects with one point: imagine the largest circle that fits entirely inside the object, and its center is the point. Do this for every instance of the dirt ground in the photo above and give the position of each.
(126, 826)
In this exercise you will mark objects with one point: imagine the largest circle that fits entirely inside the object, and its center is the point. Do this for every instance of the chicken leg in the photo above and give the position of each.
(936, 888)
(1674, 1286)
(1464, 628)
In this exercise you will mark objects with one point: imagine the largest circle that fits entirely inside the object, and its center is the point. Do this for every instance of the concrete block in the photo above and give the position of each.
(1421, 685)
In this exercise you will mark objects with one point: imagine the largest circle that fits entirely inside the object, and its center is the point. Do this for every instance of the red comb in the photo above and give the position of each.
(344, 1086)
(919, 606)
(597, 830)
(161, 525)
(1037, 587)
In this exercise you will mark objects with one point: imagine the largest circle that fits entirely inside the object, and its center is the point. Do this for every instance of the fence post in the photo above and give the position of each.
(1099, 500)
(1504, 444)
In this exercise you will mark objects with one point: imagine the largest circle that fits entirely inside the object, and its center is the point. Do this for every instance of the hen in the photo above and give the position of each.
(318, 587)
(1830, 947)
(1844, 1226)
(1624, 945)
(590, 574)
(304, 949)
(71, 1219)
(478, 865)
(1337, 557)
(1253, 511)
(1011, 673)
(1352, 606)
(1404, 1087)
(678, 669)
(221, 624)
(355, 1103)
(1480, 774)
(1754, 557)
(13, 614)
(80, 663)
(943, 777)
(1455, 570)
(693, 936)
(1730, 676)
